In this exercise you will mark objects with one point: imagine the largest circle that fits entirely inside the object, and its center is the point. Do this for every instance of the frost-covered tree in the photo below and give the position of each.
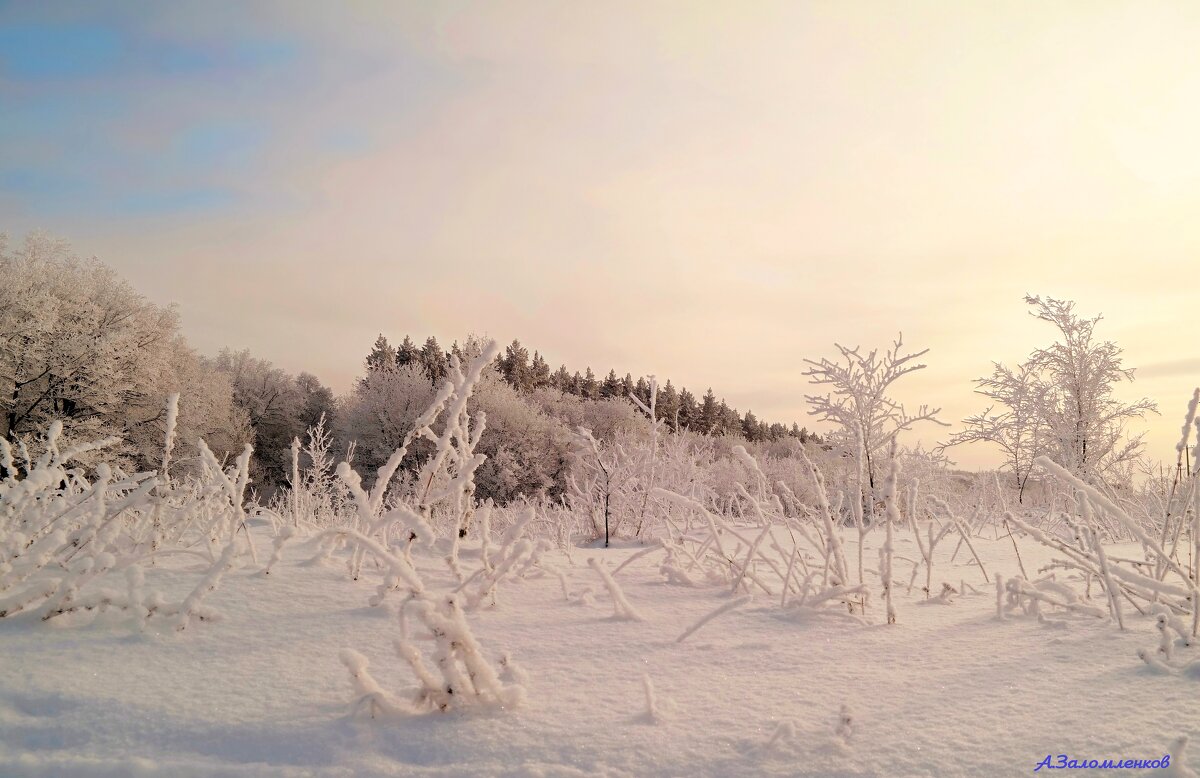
(407, 353)
(1060, 402)
(80, 345)
(433, 361)
(382, 356)
(381, 412)
(858, 401)
(275, 405)
(627, 385)
(514, 366)
(206, 411)
(750, 428)
(1015, 422)
(539, 371)
(316, 400)
(1085, 422)
(611, 385)
(686, 415)
(709, 414)
(561, 379)
(589, 387)
(668, 405)
(526, 447)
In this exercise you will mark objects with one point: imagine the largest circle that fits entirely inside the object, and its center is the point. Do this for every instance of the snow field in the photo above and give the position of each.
(947, 690)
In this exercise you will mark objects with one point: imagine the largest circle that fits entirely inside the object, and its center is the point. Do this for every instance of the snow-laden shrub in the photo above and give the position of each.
(439, 513)
(1166, 575)
(70, 543)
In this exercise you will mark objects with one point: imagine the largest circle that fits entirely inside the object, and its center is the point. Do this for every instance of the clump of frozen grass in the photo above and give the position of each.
(466, 679)
(1161, 578)
(1178, 752)
(714, 613)
(785, 731)
(454, 674)
(65, 539)
(1173, 633)
(725, 554)
(652, 714)
(622, 609)
(369, 696)
(845, 723)
(516, 555)
(282, 536)
(1028, 597)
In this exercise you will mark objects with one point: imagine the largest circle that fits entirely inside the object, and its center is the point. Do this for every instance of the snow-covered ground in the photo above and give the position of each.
(948, 690)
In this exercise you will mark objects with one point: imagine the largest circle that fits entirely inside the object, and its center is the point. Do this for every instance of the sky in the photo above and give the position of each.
(711, 192)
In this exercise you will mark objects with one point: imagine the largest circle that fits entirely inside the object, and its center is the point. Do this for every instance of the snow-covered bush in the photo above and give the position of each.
(1165, 576)
(78, 345)
(440, 501)
(73, 542)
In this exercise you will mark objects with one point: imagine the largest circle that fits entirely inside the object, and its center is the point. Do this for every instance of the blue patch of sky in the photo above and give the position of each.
(70, 98)
(35, 52)
(223, 144)
(82, 129)
(166, 202)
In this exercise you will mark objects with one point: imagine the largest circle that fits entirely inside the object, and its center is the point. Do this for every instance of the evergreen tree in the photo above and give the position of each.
(561, 379)
(709, 415)
(407, 353)
(589, 387)
(750, 429)
(382, 356)
(723, 425)
(611, 386)
(540, 371)
(627, 386)
(576, 384)
(686, 415)
(641, 390)
(668, 405)
(433, 360)
(515, 367)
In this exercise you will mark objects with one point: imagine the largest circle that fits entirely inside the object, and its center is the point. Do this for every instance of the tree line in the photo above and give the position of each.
(678, 408)
(80, 345)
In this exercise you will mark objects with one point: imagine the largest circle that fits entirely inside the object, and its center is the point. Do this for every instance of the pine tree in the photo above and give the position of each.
(710, 414)
(540, 371)
(641, 390)
(589, 387)
(382, 356)
(561, 379)
(626, 385)
(729, 421)
(687, 414)
(668, 405)
(515, 367)
(611, 386)
(750, 429)
(407, 353)
(433, 360)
